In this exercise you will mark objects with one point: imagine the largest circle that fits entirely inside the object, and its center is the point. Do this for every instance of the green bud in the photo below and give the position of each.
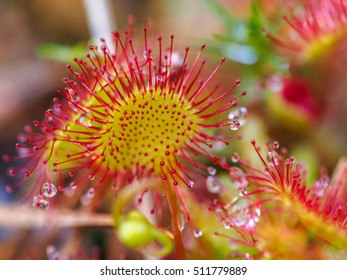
(135, 231)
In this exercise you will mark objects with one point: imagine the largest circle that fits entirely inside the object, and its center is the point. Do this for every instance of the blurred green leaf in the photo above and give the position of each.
(61, 53)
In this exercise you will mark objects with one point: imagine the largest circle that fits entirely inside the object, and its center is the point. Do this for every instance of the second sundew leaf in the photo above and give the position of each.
(321, 208)
(321, 227)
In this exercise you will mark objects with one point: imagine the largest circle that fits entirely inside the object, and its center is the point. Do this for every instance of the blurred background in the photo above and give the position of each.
(36, 36)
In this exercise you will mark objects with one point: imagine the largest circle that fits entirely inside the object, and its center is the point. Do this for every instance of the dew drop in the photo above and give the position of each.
(52, 253)
(211, 170)
(145, 54)
(213, 184)
(40, 202)
(69, 190)
(234, 125)
(244, 213)
(242, 191)
(320, 186)
(272, 158)
(191, 183)
(91, 192)
(86, 119)
(239, 115)
(197, 233)
(49, 190)
(275, 83)
(233, 114)
(292, 159)
(243, 111)
(276, 145)
(57, 108)
(242, 116)
(161, 77)
(235, 157)
(73, 95)
(91, 176)
(183, 222)
(238, 177)
(218, 209)
(176, 59)
(226, 224)
(89, 147)
(87, 198)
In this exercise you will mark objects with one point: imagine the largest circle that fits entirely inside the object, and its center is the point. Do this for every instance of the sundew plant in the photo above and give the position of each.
(231, 150)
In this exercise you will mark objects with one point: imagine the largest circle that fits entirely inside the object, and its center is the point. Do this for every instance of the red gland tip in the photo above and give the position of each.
(12, 172)
(224, 59)
(49, 112)
(203, 46)
(116, 34)
(253, 142)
